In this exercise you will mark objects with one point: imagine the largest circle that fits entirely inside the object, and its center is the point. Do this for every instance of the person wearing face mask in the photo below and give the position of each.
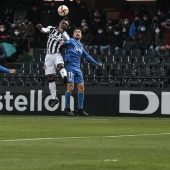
(143, 38)
(27, 30)
(160, 15)
(83, 23)
(157, 39)
(115, 39)
(18, 41)
(97, 20)
(135, 27)
(87, 37)
(4, 34)
(147, 21)
(100, 39)
(125, 29)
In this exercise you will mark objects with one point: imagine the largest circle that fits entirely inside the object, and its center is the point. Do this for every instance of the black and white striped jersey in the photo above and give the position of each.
(54, 38)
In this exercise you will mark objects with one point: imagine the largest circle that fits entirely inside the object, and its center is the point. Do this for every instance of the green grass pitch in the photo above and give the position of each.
(84, 143)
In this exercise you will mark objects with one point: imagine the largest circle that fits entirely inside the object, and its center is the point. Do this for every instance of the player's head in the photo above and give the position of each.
(77, 34)
(64, 24)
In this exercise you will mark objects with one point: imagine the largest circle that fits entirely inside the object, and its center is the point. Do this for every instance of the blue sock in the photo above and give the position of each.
(80, 100)
(67, 100)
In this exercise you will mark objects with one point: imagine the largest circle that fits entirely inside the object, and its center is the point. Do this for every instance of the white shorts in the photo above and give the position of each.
(51, 62)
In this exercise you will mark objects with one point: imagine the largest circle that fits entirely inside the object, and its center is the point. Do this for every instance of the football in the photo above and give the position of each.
(63, 10)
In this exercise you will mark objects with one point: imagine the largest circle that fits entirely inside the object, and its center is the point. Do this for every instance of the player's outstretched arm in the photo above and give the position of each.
(4, 69)
(43, 30)
(89, 58)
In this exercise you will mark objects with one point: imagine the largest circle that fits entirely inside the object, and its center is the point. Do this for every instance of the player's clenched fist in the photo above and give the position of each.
(39, 26)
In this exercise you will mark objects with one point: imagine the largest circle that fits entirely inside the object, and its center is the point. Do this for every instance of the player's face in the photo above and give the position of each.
(63, 24)
(77, 34)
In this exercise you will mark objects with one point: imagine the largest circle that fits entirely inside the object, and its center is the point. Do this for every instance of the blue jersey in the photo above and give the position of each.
(75, 51)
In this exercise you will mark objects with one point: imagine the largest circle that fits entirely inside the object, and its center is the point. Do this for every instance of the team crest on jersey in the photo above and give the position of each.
(78, 50)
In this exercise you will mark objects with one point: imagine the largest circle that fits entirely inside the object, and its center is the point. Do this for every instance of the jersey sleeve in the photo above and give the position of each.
(46, 30)
(65, 36)
(89, 58)
(4, 69)
(67, 42)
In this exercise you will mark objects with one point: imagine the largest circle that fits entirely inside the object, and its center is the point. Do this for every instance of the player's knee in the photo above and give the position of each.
(70, 87)
(60, 66)
(81, 89)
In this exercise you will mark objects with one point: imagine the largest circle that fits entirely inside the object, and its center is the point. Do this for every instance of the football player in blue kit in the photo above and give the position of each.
(75, 51)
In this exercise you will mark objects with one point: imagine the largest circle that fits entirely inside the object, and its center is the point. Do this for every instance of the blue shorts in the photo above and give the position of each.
(74, 75)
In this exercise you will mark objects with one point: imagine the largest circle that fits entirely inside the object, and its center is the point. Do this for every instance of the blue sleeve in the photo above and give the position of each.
(4, 69)
(67, 42)
(89, 58)
(131, 31)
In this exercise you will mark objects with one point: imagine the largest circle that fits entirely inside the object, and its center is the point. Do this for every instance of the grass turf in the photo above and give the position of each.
(80, 143)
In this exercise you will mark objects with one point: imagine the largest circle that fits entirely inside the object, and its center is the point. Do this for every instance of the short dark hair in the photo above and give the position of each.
(76, 29)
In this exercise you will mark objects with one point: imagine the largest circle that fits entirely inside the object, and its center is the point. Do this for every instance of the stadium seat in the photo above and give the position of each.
(120, 52)
(149, 53)
(143, 67)
(150, 82)
(135, 52)
(116, 72)
(163, 53)
(129, 73)
(151, 60)
(131, 66)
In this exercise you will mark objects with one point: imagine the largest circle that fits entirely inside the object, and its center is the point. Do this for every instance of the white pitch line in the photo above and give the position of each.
(82, 137)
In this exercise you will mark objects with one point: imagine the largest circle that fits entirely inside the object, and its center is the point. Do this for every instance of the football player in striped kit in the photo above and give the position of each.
(53, 57)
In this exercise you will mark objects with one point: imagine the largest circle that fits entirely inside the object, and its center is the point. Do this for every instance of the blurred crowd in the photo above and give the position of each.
(132, 29)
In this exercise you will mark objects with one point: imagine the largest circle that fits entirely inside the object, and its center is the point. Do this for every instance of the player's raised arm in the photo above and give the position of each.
(44, 30)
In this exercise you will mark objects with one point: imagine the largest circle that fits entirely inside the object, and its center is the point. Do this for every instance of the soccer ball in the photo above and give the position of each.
(63, 10)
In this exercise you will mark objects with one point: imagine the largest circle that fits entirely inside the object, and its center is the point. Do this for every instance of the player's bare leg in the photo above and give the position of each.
(67, 110)
(52, 88)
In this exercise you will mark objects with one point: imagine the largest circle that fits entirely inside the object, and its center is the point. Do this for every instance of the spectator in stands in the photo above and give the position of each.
(143, 11)
(87, 37)
(98, 20)
(125, 29)
(4, 34)
(20, 14)
(115, 39)
(83, 23)
(167, 14)
(55, 18)
(83, 10)
(166, 37)
(20, 43)
(126, 12)
(8, 15)
(147, 21)
(34, 16)
(155, 22)
(27, 30)
(100, 39)
(160, 15)
(157, 39)
(135, 27)
(143, 38)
